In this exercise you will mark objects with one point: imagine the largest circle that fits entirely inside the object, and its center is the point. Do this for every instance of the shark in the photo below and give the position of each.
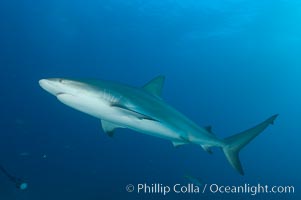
(143, 110)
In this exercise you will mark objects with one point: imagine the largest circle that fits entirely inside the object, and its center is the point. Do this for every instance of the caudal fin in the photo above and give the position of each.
(233, 144)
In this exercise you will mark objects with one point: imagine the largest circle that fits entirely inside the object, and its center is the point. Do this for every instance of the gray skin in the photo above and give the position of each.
(142, 109)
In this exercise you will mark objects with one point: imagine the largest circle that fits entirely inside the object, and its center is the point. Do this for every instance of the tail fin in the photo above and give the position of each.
(233, 144)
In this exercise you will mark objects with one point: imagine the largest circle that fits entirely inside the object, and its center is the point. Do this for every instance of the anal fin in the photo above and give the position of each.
(207, 148)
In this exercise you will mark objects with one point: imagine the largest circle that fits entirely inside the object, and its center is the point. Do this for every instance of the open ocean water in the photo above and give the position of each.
(228, 63)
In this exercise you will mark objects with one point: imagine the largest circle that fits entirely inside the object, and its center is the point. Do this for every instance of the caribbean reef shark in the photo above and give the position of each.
(143, 110)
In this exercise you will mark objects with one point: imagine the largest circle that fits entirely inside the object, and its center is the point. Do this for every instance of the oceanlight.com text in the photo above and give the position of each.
(251, 189)
(190, 188)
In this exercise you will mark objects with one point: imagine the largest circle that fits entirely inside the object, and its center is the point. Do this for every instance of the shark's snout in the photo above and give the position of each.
(51, 85)
(43, 82)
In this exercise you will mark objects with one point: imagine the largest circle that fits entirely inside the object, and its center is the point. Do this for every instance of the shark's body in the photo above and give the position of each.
(143, 110)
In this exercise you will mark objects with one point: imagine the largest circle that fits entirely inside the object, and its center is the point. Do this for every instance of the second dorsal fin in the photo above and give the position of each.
(209, 129)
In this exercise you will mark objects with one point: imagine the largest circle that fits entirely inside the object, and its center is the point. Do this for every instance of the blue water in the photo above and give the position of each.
(228, 63)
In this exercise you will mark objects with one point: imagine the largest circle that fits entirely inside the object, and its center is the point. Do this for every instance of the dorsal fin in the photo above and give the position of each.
(208, 128)
(155, 86)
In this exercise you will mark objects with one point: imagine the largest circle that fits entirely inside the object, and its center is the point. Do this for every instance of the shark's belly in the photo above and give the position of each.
(145, 126)
(153, 128)
(103, 111)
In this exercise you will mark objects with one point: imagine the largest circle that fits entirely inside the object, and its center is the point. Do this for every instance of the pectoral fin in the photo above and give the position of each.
(178, 143)
(109, 127)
